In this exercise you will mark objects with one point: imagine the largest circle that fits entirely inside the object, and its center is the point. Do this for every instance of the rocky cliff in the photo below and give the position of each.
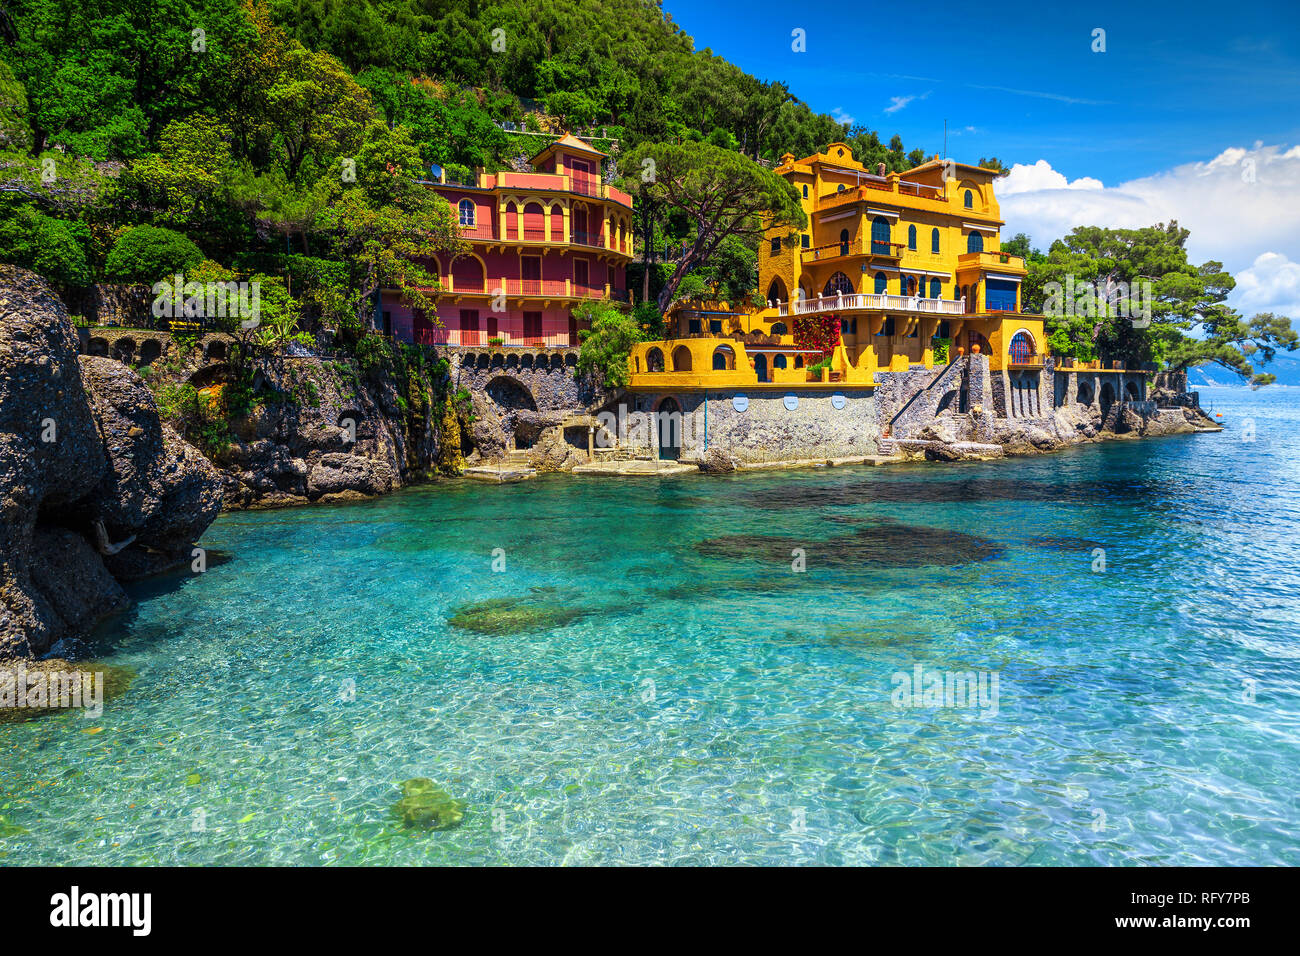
(332, 432)
(94, 488)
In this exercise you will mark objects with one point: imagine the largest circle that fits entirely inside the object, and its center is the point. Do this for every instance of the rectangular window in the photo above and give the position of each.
(693, 326)
(776, 245)
(1001, 296)
(469, 319)
(580, 272)
(715, 326)
(888, 327)
(532, 325)
(804, 242)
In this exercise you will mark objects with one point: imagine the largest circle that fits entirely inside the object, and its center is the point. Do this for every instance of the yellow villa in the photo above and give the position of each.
(899, 264)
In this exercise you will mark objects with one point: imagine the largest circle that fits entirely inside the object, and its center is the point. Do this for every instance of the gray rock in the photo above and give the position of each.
(83, 458)
(717, 462)
(337, 473)
(157, 486)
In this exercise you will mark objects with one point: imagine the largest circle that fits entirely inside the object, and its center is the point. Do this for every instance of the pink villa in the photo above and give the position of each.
(546, 239)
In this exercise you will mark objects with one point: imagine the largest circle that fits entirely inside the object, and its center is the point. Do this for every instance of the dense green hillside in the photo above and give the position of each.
(238, 125)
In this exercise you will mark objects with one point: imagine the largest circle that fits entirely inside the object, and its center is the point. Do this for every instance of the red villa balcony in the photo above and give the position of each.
(535, 287)
(596, 239)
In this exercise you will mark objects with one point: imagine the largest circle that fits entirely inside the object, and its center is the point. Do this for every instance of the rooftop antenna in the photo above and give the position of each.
(945, 139)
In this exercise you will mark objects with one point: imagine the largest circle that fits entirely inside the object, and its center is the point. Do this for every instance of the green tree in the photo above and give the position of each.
(146, 254)
(387, 225)
(1237, 345)
(608, 343)
(722, 194)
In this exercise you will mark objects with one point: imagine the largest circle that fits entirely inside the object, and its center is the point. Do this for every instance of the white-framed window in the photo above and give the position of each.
(466, 209)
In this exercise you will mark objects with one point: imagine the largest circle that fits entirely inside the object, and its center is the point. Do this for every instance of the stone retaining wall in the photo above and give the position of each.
(768, 429)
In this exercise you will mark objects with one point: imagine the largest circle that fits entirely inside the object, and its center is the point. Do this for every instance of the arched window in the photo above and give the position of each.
(1022, 347)
(969, 200)
(466, 210)
(934, 241)
(805, 191)
(844, 242)
(935, 289)
(880, 235)
(654, 361)
(881, 283)
(975, 242)
(838, 283)
(911, 238)
(778, 328)
(723, 358)
(467, 274)
(681, 359)
(776, 291)
(534, 222)
(778, 361)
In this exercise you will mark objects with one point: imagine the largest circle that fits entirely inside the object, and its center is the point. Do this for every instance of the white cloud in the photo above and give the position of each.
(1038, 177)
(896, 103)
(1239, 205)
(1271, 284)
(841, 116)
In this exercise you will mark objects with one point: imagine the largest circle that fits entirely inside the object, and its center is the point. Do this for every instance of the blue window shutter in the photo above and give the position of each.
(1000, 296)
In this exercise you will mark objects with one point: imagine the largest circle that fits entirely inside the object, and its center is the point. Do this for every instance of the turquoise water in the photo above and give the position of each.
(668, 690)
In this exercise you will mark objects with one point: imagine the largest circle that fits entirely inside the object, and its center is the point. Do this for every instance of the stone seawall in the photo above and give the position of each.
(755, 426)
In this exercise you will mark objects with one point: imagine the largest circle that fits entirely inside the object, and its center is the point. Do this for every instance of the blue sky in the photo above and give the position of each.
(1178, 83)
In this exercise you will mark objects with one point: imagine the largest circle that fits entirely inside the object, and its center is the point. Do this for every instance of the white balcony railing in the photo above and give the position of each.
(868, 300)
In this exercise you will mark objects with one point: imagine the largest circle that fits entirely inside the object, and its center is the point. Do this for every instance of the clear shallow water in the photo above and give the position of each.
(688, 705)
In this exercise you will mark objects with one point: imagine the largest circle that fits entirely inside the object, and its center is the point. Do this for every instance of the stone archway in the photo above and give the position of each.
(509, 397)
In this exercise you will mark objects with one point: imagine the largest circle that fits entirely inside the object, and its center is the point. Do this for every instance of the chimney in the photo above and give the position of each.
(880, 169)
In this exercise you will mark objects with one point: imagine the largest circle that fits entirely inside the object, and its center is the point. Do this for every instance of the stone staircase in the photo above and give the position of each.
(888, 447)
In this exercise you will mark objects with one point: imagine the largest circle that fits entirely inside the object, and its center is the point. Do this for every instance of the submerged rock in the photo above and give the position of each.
(877, 544)
(51, 675)
(510, 615)
(426, 807)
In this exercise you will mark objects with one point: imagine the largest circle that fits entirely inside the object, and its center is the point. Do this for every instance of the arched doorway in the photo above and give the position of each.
(1107, 399)
(760, 367)
(669, 421)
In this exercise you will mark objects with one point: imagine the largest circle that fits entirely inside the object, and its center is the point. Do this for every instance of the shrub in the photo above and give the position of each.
(146, 254)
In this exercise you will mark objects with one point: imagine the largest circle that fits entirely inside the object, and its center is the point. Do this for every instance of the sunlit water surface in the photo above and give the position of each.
(674, 692)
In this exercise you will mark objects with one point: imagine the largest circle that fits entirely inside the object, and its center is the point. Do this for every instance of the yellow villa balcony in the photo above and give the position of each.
(873, 302)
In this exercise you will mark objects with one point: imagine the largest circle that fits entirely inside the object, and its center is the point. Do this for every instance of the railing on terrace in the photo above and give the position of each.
(588, 187)
(903, 188)
(482, 230)
(536, 287)
(866, 300)
(552, 341)
(535, 235)
(860, 246)
(596, 239)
